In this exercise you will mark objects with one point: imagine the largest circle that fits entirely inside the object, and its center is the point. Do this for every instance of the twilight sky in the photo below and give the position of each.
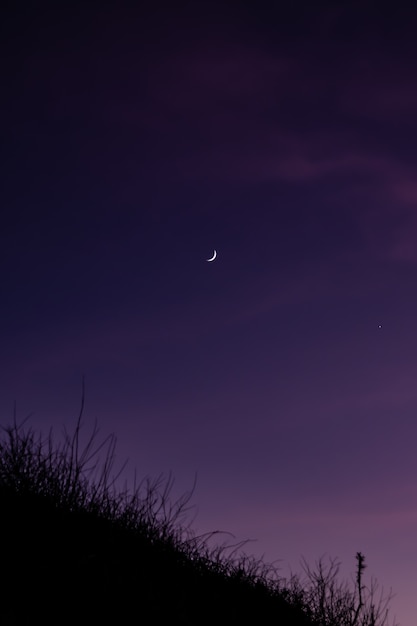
(137, 141)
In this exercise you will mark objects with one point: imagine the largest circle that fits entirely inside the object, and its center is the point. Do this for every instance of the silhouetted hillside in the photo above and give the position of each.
(76, 552)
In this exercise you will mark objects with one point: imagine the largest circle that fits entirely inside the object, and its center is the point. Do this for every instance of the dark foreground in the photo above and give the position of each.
(75, 552)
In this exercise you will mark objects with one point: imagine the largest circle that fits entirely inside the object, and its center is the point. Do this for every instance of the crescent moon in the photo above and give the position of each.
(213, 257)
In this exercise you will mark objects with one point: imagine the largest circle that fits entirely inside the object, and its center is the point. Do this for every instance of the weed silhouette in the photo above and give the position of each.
(76, 550)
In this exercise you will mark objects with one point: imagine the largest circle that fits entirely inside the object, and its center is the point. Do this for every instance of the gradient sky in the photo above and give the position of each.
(137, 141)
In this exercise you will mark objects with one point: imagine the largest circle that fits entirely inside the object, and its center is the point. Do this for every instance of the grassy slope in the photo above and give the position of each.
(75, 552)
(71, 554)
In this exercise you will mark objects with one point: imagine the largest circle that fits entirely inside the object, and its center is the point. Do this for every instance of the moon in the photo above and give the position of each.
(213, 257)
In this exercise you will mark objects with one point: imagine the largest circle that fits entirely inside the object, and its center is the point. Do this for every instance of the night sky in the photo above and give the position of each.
(134, 143)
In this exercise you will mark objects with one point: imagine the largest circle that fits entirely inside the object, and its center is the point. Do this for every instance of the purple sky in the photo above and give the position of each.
(134, 143)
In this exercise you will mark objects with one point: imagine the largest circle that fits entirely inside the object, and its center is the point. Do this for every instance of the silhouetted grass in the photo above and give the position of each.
(77, 551)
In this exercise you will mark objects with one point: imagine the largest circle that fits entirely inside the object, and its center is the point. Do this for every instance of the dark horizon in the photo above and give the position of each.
(111, 556)
(136, 141)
